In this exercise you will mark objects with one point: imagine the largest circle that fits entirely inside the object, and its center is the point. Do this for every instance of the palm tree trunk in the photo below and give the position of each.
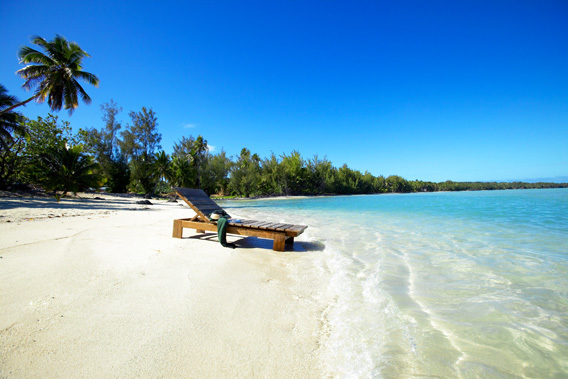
(19, 104)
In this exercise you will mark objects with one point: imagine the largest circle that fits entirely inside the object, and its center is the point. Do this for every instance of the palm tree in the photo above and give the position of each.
(9, 121)
(198, 155)
(182, 173)
(55, 74)
(69, 169)
(162, 165)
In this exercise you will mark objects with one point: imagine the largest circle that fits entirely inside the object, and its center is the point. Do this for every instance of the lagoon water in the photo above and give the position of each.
(463, 284)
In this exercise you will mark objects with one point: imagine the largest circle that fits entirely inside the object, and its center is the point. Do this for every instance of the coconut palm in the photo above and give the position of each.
(55, 73)
(199, 155)
(9, 121)
(182, 173)
(162, 166)
(69, 169)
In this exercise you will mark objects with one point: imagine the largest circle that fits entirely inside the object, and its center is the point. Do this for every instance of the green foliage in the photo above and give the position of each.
(245, 175)
(12, 140)
(55, 73)
(104, 145)
(45, 151)
(216, 180)
(11, 162)
(44, 134)
(199, 154)
(294, 178)
(192, 163)
(141, 138)
(162, 168)
(139, 143)
(143, 174)
(68, 169)
(182, 172)
(10, 122)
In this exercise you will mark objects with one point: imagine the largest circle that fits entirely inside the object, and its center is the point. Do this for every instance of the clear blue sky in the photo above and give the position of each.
(431, 90)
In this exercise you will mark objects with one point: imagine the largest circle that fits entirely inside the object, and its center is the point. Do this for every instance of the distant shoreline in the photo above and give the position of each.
(284, 197)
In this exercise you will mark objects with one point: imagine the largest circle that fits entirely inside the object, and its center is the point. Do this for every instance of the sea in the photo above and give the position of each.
(451, 285)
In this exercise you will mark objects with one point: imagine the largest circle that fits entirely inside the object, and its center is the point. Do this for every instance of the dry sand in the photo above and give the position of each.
(98, 288)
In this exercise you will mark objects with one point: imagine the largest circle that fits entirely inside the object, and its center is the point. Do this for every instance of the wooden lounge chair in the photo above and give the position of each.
(282, 234)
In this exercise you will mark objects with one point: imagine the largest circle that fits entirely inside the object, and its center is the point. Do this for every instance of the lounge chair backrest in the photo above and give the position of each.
(198, 201)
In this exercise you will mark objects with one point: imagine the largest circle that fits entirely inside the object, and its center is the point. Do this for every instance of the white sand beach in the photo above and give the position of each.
(97, 287)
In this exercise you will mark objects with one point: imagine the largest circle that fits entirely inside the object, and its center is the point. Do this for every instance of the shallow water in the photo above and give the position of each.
(465, 284)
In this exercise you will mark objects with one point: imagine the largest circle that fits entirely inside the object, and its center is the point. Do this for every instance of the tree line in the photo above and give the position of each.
(46, 152)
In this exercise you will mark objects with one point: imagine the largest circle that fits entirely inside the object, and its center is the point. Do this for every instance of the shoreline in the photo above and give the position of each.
(99, 288)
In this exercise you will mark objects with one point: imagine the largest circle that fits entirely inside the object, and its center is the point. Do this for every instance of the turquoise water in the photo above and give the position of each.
(466, 284)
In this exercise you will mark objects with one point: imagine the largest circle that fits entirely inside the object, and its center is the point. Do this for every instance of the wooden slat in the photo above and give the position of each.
(297, 228)
(200, 201)
(248, 222)
(205, 208)
(264, 225)
(188, 192)
(285, 226)
(271, 225)
(277, 225)
(280, 238)
(256, 224)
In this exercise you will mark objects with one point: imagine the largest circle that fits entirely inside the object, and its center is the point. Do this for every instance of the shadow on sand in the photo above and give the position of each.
(259, 243)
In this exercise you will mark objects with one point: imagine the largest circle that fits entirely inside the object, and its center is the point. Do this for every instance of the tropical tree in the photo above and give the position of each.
(69, 169)
(12, 140)
(321, 175)
(245, 174)
(139, 143)
(199, 157)
(44, 134)
(10, 122)
(272, 176)
(55, 73)
(182, 174)
(11, 163)
(143, 175)
(162, 167)
(294, 173)
(216, 178)
(104, 144)
(142, 136)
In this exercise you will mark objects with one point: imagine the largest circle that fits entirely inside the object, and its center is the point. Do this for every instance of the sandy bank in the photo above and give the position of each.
(98, 288)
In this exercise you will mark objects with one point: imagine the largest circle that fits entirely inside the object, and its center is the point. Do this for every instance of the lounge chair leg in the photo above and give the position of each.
(178, 229)
(279, 242)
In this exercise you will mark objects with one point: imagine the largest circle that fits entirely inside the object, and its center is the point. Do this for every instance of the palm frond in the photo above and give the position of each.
(88, 77)
(55, 72)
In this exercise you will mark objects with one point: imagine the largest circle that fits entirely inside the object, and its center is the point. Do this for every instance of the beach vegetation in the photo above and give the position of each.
(10, 121)
(104, 146)
(216, 174)
(11, 164)
(69, 169)
(181, 172)
(162, 167)
(245, 175)
(53, 74)
(13, 135)
(139, 144)
(45, 151)
(43, 135)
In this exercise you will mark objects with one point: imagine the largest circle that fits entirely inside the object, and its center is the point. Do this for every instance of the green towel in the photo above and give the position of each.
(222, 232)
